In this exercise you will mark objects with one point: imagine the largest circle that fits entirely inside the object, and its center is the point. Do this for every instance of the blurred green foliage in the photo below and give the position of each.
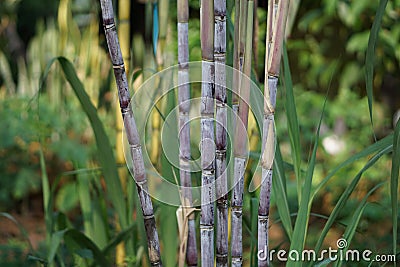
(328, 42)
(23, 128)
(326, 50)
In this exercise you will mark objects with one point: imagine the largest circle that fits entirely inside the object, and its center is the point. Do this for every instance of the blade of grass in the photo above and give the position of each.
(168, 227)
(46, 198)
(279, 189)
(301, 225)
(345, 196)
(369, 59)
(20, 228)
(75, 239)
(352, 226)
(55, 242)
(105, 155)
(394, 183)
(120, 237)
(254, 224)
(100, 220)
(83, 190)
(292, 119)
(378, 146)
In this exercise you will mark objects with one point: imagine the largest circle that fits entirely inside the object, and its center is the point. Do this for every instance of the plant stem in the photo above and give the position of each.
(207, 134)
(238, 49)
(184, 136)
(131, 132)
(275, 32)
(240, 145)
(221, 136)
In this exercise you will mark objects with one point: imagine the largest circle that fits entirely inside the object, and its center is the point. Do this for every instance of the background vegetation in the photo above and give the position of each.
(52, 132)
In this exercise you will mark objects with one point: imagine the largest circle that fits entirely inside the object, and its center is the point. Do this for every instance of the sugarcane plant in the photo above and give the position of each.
(184, 128)
(207, 134)
(161, 16)
(238, 50)
(131, 132)
(240, 144)
(220, 132)
(276, 23)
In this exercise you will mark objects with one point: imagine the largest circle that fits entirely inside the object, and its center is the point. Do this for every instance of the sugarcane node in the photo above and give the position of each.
(141, 184)
(108, 23)
(119, 66)
(263, 218)
(148, 217)
(207, 227)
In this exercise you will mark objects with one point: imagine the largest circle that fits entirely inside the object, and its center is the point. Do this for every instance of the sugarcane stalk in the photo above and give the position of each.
(131, 132)
(274, 41)
(220, 133)
(207, 134)
(238, 49)
(124, 7)
(163, 6)
(238, 68)
(255, 37)
(240, 146)
(184, 137)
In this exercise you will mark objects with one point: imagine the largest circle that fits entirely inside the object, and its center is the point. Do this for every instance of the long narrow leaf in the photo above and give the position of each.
(74, 238)
(292, 118)
(369, 59)
(20, 228)
(352, 226)
(253, 222)
(47, 197)
(105, 155)
(55, 242)
(394, 183)
(279, 189)
(374, 148)
(345, 196)
(301, 225)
